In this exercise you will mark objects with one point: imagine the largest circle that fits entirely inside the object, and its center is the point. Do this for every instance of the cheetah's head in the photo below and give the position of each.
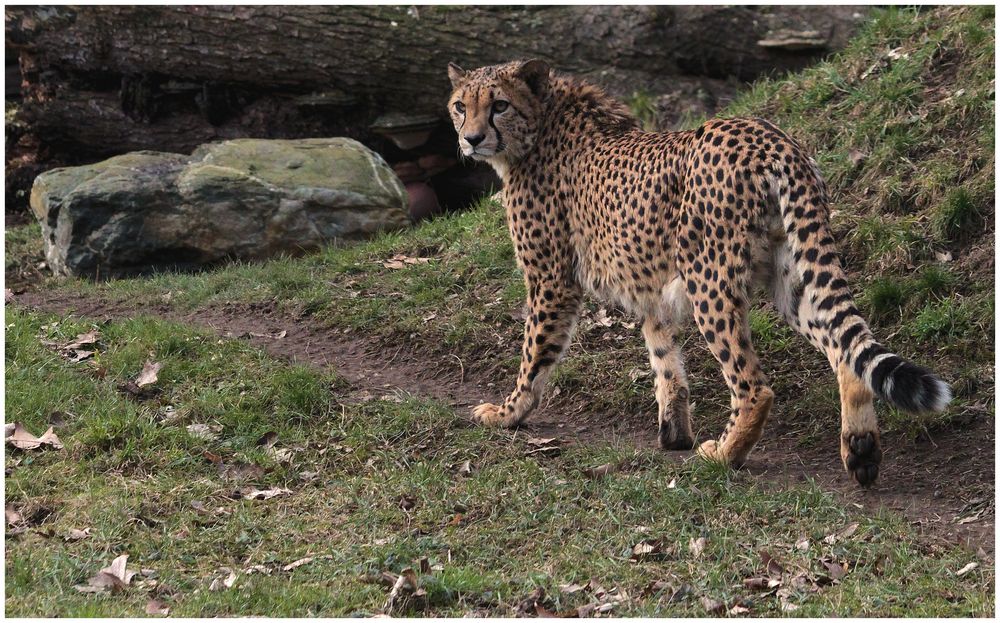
(497, 109)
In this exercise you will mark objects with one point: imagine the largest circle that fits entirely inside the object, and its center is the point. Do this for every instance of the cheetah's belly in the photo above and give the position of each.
(616, 277)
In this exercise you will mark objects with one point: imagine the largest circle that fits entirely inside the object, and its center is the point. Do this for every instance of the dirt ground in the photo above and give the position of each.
(934, 482)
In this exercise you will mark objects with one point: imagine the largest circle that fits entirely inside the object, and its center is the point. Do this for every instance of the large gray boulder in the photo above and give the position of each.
(246, 198)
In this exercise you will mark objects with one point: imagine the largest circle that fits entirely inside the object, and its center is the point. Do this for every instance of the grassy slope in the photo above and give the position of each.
(925, 186)
(134, 476)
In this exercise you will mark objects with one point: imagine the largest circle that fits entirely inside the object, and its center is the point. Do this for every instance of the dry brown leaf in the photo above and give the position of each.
(266, 494)
(12, 516)
(402, 261)
(20, 438)
(713, 606)
(155, 606)
(759, 584)
(268, 439)
(837, 570)
(569, 589)
(831, 539)
(80, 355)
(8, 295)
(83, 339)
(787, 606)
(772, 566)
(540, 441)
(738, 610)
(967, 568)
(406, 583)
(205, 432)
(116, 577)
(599, 471)
(697, 546)
(281, 455)
(76, 535)
(802, 544)
(229, 581)
(298, 563)
(856, 156)
(149, 373)
(647, 549)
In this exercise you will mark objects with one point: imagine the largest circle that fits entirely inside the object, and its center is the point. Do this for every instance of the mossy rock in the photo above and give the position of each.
(246, 198)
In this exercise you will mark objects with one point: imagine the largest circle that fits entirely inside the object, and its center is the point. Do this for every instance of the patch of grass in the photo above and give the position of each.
(375, 488)
(770, 333)
(956, 215)
(885, 297)
(941, 320)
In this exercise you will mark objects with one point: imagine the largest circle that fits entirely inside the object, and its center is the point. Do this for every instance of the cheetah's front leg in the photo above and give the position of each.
(552, 314)
(671, 385)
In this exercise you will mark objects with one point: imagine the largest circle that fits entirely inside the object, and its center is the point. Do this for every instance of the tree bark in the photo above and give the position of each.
(102, 80)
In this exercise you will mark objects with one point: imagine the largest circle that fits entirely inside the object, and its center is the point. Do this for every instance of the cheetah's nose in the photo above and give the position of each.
(474, 139)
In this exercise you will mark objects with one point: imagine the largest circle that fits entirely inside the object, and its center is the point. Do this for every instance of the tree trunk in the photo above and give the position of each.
(102, 80)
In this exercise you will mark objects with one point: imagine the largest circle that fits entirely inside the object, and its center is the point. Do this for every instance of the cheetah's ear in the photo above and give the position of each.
(456, 74)
(535, 74)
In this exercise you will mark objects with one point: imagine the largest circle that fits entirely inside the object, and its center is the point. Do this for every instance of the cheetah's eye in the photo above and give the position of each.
(459, 107)
(500, 106)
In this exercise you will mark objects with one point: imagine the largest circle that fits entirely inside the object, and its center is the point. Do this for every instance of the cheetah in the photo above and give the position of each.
(668, 225)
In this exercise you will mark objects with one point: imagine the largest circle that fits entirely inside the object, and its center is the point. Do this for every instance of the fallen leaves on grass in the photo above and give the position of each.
(545, 446)
(76, 350)
(266, 494)
(405, 585)
(668, 589)
(18, 436)
(205, 432)
(239, 471)
(966, 569)
(59, 418)
(115, 578)
(402, 261)
(697, 546)
(712, 606)
(155, 606)
(223, 583)
(836, 569)
(304, 561)
(268, 439)
(76, 534)
(832, 539)
(12, 516)
(569, 589)
(600, 471)
(649, 549)
(150, 373)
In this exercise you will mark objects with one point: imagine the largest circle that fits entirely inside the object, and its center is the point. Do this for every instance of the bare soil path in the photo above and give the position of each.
(934, 482)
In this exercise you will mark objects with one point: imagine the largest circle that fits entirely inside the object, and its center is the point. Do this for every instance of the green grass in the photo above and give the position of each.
(923, 190)
(137, 479)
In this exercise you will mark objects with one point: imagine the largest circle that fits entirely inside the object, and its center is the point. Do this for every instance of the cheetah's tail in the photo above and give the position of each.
(826, 309)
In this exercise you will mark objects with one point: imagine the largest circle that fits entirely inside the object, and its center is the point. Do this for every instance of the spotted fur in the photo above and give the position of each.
(667, 225)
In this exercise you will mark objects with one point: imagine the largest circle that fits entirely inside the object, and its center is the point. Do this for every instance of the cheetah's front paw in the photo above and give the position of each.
(711, 451)
(489, 415)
